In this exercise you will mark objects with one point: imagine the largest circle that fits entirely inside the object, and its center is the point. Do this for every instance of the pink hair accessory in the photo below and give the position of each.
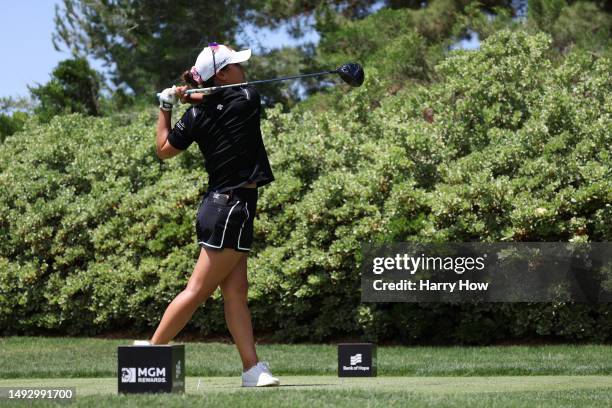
(196, 75)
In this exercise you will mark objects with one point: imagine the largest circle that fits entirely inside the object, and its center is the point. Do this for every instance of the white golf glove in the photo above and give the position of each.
(168, 98)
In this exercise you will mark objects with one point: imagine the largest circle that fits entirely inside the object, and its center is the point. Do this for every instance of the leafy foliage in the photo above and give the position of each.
(14, 112)
(10, 124)
(586, 24)
(73, 87)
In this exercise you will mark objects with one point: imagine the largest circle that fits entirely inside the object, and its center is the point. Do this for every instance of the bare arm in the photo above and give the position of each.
(164, 149)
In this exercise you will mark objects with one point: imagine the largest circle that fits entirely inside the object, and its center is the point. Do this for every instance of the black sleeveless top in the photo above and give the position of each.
(226, 127)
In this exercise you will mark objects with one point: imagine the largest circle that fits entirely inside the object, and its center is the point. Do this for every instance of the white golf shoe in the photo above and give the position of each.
(259, 376)
(142, 343)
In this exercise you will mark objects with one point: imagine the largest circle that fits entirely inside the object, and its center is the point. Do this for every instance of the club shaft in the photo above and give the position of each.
(261, 81)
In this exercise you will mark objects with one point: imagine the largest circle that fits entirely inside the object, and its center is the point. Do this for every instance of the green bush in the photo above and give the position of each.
(12, 123)
(97, 234)
(583, 24)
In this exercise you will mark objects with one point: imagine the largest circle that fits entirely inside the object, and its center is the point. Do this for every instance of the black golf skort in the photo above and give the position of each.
(227, 225)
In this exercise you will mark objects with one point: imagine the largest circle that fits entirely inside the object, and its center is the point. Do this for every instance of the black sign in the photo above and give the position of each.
(356, 360)
(149, 369)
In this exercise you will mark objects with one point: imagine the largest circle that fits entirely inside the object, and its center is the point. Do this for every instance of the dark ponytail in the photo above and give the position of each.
(190, 80)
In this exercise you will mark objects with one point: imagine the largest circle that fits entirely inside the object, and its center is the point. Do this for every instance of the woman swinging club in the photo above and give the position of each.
(226, 127)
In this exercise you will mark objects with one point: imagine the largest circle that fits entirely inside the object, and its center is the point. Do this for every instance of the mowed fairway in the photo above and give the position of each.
(316, 391)
(549, 376)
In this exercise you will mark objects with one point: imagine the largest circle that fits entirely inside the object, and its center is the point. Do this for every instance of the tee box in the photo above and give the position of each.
(356, 360)
(151, 369)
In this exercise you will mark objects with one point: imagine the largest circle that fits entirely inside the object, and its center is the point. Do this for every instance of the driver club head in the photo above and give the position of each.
(351, 73)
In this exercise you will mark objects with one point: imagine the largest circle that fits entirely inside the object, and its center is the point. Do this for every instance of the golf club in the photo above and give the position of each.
(351, 73)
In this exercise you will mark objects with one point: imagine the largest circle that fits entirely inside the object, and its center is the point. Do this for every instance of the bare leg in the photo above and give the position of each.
(212, 267)
(237, 315)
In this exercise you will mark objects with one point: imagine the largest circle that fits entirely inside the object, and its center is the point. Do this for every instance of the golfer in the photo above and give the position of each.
(226, 127)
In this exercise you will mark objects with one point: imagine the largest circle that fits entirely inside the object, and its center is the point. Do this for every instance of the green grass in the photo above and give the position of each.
(507, 376)
(453, 385)
(315, 391)
(40, 357)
